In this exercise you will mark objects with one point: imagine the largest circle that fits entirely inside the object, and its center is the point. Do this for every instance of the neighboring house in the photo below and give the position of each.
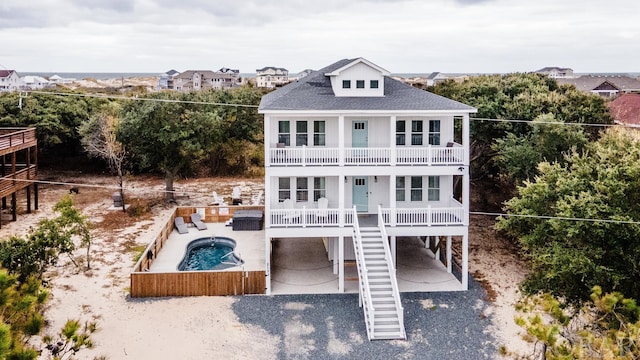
(436, 77)
(33, 82)
(9, 80)
(270, 77)
(604, 85)
(347, 146)
(57, 79)
(556, 72)
(196, 80)
(165, 81)
(625, 109)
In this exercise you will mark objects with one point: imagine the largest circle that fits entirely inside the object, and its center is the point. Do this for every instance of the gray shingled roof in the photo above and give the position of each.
(590, 82)
(314, 92)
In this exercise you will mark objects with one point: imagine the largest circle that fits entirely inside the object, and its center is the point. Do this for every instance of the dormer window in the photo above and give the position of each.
(346, 84)
(360, 84)
(373, 84)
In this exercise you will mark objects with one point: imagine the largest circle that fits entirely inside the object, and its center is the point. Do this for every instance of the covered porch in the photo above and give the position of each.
(310, 266)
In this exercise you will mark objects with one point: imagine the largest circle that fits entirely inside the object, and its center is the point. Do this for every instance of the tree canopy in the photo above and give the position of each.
(518, 97)
(569, 257)
(170, 133)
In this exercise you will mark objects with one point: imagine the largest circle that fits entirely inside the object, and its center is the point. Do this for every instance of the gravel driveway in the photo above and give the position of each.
(439, 326)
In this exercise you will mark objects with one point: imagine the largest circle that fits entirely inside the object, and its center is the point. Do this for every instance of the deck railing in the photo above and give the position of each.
(323, 156)
(17, 137)
(310, 217)
(428, 216)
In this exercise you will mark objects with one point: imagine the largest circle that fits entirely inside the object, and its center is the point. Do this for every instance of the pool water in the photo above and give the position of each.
(210, 254)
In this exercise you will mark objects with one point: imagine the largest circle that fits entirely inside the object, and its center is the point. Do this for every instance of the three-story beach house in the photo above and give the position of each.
(364, 161)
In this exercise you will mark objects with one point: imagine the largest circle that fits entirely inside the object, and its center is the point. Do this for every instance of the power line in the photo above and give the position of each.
(110, 187)
(531, 122)
(547, 217)
(120, 97)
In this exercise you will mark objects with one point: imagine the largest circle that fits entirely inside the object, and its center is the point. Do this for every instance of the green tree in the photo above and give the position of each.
(21, 306)
(519, 97)
(605, 327)
(519, 155)
(169, 133)
(569, 257)
(56, 118)
(44, 244)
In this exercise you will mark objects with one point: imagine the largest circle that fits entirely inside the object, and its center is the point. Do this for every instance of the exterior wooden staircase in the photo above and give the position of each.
(378, 288)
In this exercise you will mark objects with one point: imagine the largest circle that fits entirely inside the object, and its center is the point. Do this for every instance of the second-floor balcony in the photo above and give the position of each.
(453, 154)
(452, 215)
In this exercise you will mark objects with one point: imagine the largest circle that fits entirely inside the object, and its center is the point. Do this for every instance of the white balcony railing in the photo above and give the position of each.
(311, 217)
(323, 156)
(427, 216)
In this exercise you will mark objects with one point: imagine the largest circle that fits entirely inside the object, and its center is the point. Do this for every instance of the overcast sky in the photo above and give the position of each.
(485, 36)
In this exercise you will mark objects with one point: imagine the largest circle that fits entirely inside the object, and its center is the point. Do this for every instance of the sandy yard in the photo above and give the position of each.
(152, 328)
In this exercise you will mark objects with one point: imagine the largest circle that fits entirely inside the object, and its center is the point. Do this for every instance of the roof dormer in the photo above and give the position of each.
(358, 78)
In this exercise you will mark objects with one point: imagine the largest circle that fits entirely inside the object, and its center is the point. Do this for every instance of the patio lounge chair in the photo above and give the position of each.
(292, 216)
(180, 225)
(197, 221)
(257, 199)
(323, 214)
(218, 200)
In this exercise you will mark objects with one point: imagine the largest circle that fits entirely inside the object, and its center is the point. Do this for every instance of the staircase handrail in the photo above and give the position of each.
(392, 269)
(364, 285)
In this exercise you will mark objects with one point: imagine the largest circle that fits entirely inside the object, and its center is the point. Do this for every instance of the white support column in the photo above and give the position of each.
(465, 196)
(267, 141)
(341, 263)
(267, 257)
(449, 254)
(341, 131)
(436, 254)
(392, 141)
(393, 250)
(267, 199)
(336, 255)
(465, 262)
(465, 138)
(392, 200)
(341, 209)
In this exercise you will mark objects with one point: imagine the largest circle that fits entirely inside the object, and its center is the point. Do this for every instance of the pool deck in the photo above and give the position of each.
(301, 266)
(250, 247)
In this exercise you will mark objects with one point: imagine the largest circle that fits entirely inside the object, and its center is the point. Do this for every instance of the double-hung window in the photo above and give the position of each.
(284, 188)
(319, 188)
(284, 133)
(416, 132)
(401, 132)
(302, 189)
(433, 189)
(319, 133)
(416, 188)
(400, 188)
(302, 136)
(434, 132)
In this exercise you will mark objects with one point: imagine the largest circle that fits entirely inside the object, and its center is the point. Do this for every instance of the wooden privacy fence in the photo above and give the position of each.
(193, 283)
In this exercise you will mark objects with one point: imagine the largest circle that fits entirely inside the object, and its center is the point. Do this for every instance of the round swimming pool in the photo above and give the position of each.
(211, 253)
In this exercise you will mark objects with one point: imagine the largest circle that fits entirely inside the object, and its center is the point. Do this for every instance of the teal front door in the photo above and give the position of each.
(360, 196)
(359, 133)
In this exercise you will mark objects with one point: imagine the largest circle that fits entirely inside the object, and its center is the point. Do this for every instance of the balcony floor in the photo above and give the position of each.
(300, 266)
